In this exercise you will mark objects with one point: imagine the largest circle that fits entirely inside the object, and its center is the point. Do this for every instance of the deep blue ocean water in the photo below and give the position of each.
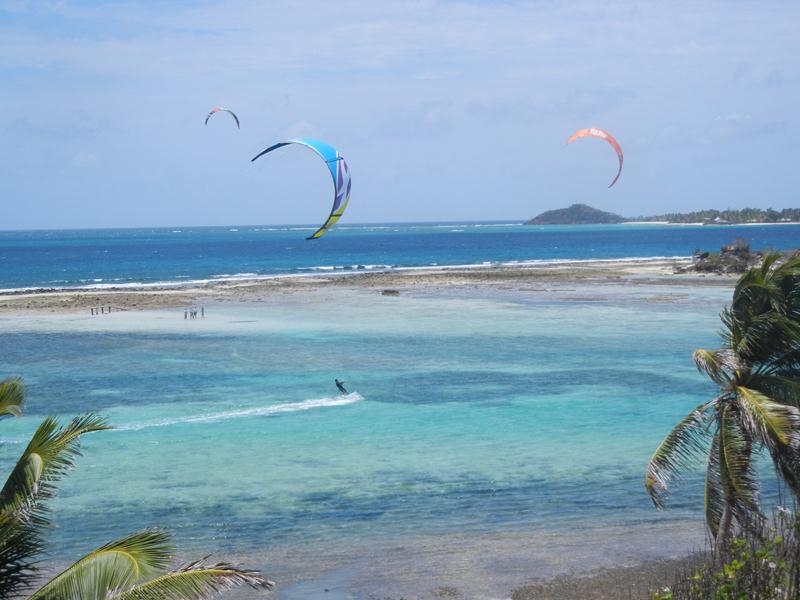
(524, 413)
(126, 256)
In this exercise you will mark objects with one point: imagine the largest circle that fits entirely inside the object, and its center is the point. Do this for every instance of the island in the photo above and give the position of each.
(577, 214)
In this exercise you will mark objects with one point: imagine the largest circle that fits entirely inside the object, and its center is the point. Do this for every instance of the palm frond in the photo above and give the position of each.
(47, 458)
(22, 514)
(758, 371)
(769, 263)
(768, 337)
(195, 581)
(714, 500)
(12, 395)
(787, 467)
(115, 566)
(788, 272)
(682, 447)
(786, 365)
(776, 384)
(758, 288)
(717, 364)
(735, 467)
(783, 385)
(728, 334)
(770, 288)
(19, 544)
(769, 422)
(755, 296)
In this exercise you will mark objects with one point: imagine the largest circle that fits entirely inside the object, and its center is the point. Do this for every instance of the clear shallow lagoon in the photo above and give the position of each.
(506, 427)
(470, 415)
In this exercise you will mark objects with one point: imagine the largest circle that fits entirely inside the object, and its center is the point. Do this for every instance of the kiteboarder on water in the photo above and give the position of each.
(340, 385)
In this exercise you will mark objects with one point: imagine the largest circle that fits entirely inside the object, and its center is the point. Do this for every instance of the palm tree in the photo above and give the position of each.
(131, 568)
(757, 370)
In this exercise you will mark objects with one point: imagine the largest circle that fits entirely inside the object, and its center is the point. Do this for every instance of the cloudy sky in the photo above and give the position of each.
(445, 110)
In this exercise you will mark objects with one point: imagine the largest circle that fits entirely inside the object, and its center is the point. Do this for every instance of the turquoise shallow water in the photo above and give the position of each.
(471, 413)
(491, 436)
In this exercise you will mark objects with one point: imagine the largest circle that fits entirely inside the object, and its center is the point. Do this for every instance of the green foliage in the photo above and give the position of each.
(193, 582)
(763, 565)
(132, 567)
(583, 214)
(23, 508)
(745, 215)
(12, 395)
(664, 594)
(757, 408)
(577, 214)
(117, 565)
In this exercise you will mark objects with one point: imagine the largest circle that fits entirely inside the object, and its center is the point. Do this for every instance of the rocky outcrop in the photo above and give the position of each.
(734, 258)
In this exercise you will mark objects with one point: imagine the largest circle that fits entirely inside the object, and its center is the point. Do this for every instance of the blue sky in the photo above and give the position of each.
(444, 110)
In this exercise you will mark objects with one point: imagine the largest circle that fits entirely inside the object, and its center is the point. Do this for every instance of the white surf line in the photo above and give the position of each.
(262, 411)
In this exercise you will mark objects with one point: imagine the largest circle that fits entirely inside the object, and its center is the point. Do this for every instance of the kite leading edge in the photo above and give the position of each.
(603, 135)
(222, 109)
(339, 170)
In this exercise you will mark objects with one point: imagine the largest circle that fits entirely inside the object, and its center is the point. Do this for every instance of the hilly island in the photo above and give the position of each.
(581, 214)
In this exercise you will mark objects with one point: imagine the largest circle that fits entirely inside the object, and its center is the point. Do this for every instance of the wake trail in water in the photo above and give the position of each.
(260, 411)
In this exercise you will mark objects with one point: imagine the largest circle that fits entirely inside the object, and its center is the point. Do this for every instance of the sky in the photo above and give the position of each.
(445, 110)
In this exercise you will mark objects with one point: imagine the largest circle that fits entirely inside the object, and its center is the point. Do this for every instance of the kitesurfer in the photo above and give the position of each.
(340, 385)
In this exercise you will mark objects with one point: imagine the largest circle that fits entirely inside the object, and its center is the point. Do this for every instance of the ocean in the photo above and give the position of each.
(118, 257)
(488, 437)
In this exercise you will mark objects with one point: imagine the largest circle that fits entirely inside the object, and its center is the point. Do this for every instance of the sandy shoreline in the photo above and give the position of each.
(607, 563)
(604, 563)
(390, 282)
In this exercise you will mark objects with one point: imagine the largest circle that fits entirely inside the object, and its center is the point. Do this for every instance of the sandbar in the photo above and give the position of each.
(523, 276)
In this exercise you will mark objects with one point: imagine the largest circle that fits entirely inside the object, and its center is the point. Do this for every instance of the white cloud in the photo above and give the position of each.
(433, 90)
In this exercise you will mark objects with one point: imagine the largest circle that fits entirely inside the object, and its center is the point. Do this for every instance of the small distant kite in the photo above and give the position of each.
(339, 171)
(227, 110)
(603, 135)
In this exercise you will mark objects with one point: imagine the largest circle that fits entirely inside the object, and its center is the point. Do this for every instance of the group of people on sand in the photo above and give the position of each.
(191, 313)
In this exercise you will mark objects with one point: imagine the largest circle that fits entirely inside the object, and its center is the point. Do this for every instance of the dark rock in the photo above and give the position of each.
(732, 258)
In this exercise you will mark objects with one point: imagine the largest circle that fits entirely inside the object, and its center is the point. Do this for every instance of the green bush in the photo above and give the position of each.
(764, 565)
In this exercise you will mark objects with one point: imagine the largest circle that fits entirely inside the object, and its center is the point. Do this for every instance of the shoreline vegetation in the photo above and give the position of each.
(581, 214)
(641, 581)
(665, 271)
